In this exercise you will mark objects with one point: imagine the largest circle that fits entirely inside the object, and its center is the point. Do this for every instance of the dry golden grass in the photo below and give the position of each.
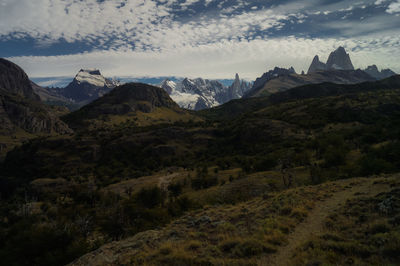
(246, 233)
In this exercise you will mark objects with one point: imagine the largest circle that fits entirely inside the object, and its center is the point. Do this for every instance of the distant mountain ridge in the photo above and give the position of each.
(198, 94)
(338, 69)
(271, 74)
(374, 72)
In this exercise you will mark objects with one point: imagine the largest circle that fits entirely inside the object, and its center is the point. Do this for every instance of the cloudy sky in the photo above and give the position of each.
(194, 38)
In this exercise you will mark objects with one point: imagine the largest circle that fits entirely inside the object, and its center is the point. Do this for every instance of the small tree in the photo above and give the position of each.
(287, 175)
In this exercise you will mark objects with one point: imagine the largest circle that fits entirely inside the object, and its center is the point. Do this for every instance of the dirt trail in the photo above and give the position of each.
(313, 225)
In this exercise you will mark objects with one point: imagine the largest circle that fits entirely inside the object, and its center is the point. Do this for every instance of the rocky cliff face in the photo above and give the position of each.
(22, 115)
(14, 80)
(338, 60)
(237, 89)
(316, 65)
(33, 117)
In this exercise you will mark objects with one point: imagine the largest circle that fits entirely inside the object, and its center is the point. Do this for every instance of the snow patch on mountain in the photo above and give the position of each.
(197, 94)
(94, 77)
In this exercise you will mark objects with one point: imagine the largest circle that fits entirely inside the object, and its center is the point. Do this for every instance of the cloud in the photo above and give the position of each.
(394, 7)
(131, 24)
(194, 38)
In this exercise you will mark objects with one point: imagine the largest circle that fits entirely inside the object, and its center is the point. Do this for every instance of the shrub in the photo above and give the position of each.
(193, 245)
(151, 197)
(175, 189)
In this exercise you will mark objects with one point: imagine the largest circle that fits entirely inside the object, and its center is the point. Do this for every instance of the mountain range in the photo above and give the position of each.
(198, 94)
(338, 69)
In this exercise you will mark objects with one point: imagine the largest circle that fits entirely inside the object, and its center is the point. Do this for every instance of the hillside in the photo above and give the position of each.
(14, 80)
(229, 185)
(277, 229)
(145, 104)
(22, 115)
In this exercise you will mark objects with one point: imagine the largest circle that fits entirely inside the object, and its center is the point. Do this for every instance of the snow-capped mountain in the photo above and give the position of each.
(88, 85)
(197, 94)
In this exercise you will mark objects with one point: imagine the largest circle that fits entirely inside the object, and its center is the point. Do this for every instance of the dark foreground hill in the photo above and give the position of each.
(247, 160)
(22, 115)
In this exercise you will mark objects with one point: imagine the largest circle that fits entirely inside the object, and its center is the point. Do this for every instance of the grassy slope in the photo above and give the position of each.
(262, 230)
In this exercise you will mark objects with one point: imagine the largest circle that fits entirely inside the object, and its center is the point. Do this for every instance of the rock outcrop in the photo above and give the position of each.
(373, 71)
(14, 80)
(22, 114)
(316, 65)
(339, 60)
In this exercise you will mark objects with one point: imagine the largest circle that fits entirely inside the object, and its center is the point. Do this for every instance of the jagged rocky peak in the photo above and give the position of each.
(168, 85)
(237, 89)
(374, 72)
(88, 85)
(14, 79)
(94, 77)
(316, 65)
(339, 60)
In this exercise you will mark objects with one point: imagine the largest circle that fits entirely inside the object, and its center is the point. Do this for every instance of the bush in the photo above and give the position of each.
(175, 189)
(204, 182)
(245, 248)
(264, 164)
(38, 245)
(151, 197)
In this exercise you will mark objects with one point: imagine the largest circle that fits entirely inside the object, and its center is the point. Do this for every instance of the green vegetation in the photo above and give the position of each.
(125, 173)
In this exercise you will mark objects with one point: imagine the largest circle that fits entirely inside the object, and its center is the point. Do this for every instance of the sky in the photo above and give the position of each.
(194, 38)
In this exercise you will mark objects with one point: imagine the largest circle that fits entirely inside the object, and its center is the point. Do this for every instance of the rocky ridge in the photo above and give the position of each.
(373, 71)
